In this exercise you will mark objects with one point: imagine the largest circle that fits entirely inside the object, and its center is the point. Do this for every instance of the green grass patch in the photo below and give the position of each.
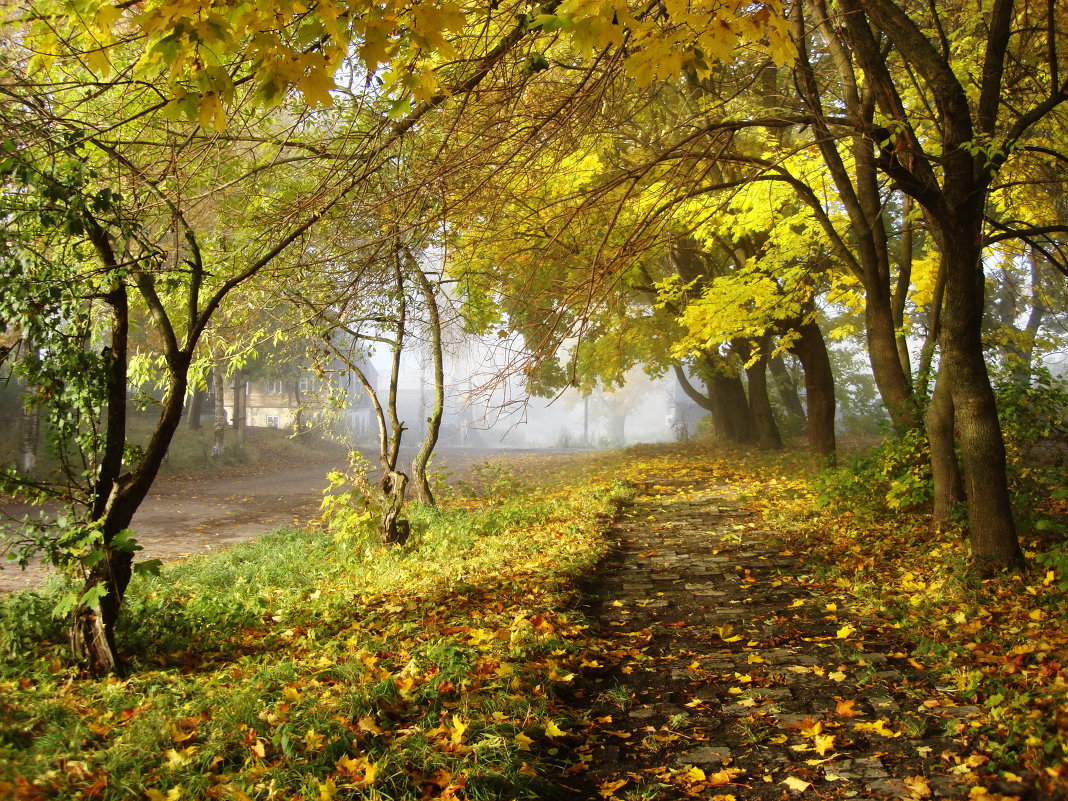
(297, 666)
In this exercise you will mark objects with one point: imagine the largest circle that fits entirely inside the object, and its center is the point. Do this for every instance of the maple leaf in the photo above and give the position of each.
(327, 790)
(918, 786)
(523, 741)
(844, 708)
(552, 730)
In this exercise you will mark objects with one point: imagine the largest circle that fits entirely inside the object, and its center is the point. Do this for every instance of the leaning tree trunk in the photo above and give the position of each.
(430, 438)
(811, 350)
(992, 532)
(885, 358)
(945, 470)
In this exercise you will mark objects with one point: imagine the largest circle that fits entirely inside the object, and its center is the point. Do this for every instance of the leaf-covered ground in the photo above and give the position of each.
(724, 638)
(746, 656)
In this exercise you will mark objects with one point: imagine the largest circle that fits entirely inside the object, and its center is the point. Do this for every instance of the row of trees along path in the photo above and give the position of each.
(726, 672)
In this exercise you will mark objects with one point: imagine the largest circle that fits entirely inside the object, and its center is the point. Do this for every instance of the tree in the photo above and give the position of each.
(948, 165)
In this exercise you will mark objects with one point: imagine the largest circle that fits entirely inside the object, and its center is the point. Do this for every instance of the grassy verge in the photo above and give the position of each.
(296, 667)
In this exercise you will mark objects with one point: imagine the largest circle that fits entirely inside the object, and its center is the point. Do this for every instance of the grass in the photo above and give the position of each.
(299, 667)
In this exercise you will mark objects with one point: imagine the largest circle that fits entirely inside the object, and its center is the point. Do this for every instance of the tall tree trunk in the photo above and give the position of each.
(945, 470)
(787, 389)
(811, 350)
(763, 418)
(218, 385)
(92, 628)
(238, 422)
(195, 409)
(992, 530)
(29, 437)
(728, 393)
(433, 427)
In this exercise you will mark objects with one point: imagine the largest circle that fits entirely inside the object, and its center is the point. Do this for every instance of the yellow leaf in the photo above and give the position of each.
(458, 729)
(878, 727)
(552, 730)
(607, 789)
(823, 743)
(316, 87)
(918, 786)
(837, 675)
(523, 741)
(695, 774)
(796, 784)
(845, 632)
(367, 723)
(327, 790)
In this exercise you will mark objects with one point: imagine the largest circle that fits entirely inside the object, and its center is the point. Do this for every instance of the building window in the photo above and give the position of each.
(273, 387)
(305, 384)
(272, 422)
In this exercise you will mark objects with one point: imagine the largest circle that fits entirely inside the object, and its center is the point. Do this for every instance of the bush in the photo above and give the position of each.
(895, 476)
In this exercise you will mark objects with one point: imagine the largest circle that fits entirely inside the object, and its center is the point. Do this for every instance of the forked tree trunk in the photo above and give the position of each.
(728, 393)
(945, 470)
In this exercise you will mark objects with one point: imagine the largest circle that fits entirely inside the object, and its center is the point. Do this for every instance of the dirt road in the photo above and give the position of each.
(185, 516)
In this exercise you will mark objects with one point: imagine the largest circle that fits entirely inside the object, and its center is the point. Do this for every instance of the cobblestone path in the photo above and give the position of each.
(724, 673)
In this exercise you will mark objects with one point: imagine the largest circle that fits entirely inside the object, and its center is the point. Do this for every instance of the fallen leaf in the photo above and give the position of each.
(796, 784)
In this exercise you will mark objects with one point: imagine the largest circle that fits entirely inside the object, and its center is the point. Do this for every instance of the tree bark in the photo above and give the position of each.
(238, 423)
(945, 470)
(92, 628)
(195, 409)
(29, 437)
(219, 391)
(786, 387)
(728, 393)
(433, 427)
(760, 411)
(811, 350)
(992, 530)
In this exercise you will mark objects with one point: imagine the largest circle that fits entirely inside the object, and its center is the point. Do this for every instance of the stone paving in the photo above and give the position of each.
(724, 674)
